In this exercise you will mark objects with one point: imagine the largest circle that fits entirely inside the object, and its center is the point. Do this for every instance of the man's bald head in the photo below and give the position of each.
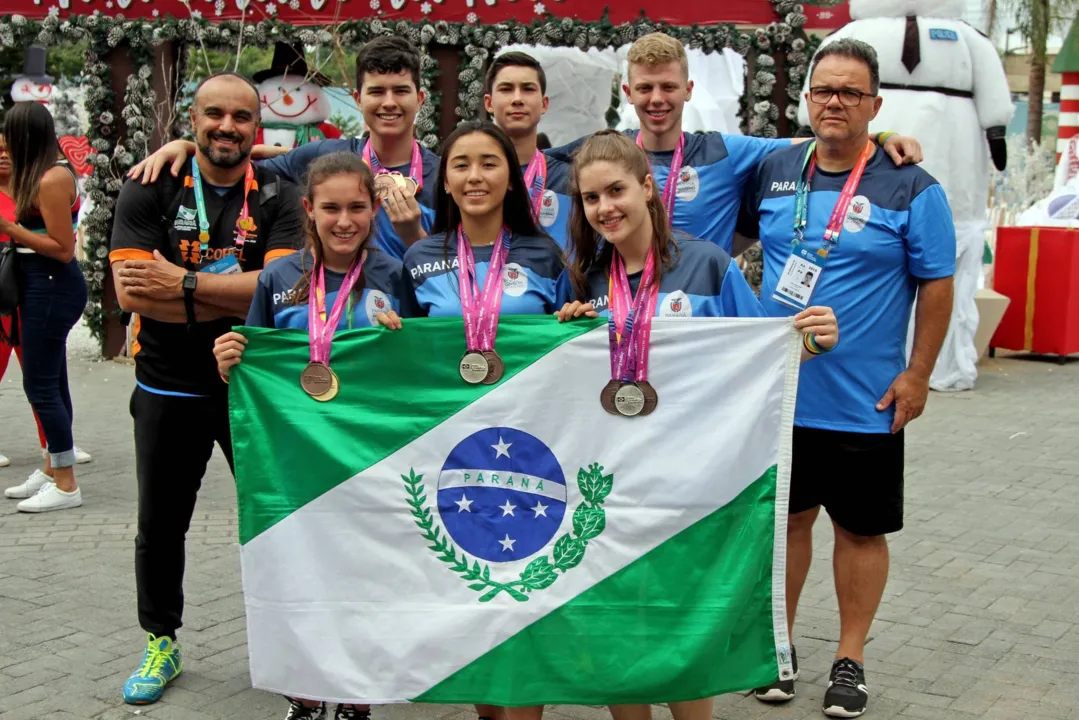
(225, 117)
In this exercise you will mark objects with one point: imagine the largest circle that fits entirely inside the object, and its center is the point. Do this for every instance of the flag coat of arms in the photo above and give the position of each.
(419, 539)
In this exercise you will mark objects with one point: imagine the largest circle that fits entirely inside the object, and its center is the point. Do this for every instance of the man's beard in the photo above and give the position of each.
(226, 159)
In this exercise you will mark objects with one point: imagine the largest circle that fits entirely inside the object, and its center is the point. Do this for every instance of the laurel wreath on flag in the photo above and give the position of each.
(589, 521)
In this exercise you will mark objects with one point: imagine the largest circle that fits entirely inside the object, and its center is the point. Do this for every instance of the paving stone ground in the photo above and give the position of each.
(979, 619)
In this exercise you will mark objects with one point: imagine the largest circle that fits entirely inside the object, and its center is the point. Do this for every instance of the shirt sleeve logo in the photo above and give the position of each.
(857, 214)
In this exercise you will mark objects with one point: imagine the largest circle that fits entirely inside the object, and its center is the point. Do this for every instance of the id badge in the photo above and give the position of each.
(227, 265)
(800, 275)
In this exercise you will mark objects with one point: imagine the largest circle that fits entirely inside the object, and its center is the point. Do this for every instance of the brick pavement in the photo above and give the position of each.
(978, 620)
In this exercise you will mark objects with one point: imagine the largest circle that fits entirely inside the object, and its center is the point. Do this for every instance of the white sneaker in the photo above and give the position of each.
(81, 456)
(33, 483)
(4, 462)
(50, 497)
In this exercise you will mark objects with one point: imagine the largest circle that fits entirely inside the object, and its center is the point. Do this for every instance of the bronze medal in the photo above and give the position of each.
(331, 393)
(651, 397)
(475, 368)
(606, 396)
(408, 186)
(629, 399)
(384, 182)
(495, 367)
(316, 379)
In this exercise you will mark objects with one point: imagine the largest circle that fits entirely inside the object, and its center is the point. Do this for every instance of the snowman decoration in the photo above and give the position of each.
(33, 85)
(942, 83)
(294, 108)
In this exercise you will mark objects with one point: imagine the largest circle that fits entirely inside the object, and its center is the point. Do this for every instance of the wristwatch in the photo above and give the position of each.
(191, 281)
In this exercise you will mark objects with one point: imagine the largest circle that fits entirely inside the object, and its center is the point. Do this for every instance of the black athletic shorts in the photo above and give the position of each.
(857, 477)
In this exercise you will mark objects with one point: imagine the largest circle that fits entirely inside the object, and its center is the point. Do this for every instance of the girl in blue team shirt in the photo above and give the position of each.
(340, 202)
(617, 208)
(481, 192)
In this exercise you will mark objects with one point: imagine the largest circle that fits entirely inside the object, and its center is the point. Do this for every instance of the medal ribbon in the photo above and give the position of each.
(243, 223)
(320, 328)
(415, 168)
(801, 197)
(481, 309)
(629, 322)
(670, 187)
(536, 181)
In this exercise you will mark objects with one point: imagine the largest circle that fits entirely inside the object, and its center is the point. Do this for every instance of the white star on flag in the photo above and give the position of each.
(540, 509)
(507, 543)
(464, 504)
(507, 509)
(502, 448)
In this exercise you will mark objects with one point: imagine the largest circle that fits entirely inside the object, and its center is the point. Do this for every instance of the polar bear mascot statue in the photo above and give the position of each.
(943, 84)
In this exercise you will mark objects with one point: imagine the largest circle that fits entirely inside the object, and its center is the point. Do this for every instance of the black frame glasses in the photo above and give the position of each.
(848, 97)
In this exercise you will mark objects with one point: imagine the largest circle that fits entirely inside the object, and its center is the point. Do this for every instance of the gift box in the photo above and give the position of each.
(1037, 268)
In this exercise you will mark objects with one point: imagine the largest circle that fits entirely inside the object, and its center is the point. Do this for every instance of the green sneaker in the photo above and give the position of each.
(161, 664)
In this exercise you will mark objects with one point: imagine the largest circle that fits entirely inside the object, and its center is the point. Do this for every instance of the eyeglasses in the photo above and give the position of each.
(847, 98)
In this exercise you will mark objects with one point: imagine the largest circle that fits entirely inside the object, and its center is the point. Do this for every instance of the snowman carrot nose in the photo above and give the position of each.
(287, 99)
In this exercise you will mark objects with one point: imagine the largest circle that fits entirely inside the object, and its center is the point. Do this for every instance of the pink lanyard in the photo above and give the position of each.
(481, 309)
(320, 328)
(536, 181)
(670, 187)
(415, 168)
(839, 212)
(629, 320)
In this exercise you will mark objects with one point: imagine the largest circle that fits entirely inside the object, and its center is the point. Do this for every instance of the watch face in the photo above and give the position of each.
(189, 281)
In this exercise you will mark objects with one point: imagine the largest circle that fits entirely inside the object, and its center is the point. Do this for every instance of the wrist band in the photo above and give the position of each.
(809, 345)
(883, 136)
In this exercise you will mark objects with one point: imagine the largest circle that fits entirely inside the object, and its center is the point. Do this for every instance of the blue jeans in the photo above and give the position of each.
(52, 297)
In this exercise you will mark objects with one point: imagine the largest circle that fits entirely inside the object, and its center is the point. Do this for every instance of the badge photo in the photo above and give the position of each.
(548, 208)
(514, 280)
(689, 184)
(858, 213)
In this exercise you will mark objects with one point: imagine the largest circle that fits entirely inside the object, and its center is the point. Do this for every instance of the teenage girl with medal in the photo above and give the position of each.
(486, 257)
(627, 258)
(324, 288)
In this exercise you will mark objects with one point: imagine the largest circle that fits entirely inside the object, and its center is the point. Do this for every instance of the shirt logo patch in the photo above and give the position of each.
(788, 186)
(548, 208)
(376, 302)
(857, 214)
(689, 184)
(943, 34)
(514, 280)
(676, 304)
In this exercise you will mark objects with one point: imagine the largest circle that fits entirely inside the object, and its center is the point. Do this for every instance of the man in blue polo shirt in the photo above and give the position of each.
(710, 169)
(840, 223)
(389, 96)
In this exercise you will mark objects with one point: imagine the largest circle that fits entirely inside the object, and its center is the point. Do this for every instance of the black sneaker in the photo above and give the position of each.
(347, 712)
(298, 711)
(847, 694)
(780, 690)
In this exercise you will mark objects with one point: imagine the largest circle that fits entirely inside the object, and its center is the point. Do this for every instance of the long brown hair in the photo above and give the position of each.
(321, 170)
(588, 248)
(31, 141)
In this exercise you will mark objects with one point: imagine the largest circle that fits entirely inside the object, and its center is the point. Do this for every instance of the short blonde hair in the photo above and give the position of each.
(658, 49)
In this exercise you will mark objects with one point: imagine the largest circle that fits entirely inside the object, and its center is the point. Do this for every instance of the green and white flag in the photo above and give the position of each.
(418, 539)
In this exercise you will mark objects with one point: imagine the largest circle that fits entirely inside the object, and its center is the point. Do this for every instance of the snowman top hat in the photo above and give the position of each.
(34, 65)
(289, 60)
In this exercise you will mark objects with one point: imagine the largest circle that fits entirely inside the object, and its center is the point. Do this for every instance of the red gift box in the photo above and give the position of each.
(1038, 270)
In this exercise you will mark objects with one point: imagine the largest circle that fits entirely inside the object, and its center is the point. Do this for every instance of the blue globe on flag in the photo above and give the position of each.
(501, 494)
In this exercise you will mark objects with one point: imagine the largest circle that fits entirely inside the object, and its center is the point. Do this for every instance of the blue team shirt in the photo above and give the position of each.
(898, 231)
(293, 166)
(702, 281)
(555, 205)
(273, 306)
(534, 279)
(715, 170)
